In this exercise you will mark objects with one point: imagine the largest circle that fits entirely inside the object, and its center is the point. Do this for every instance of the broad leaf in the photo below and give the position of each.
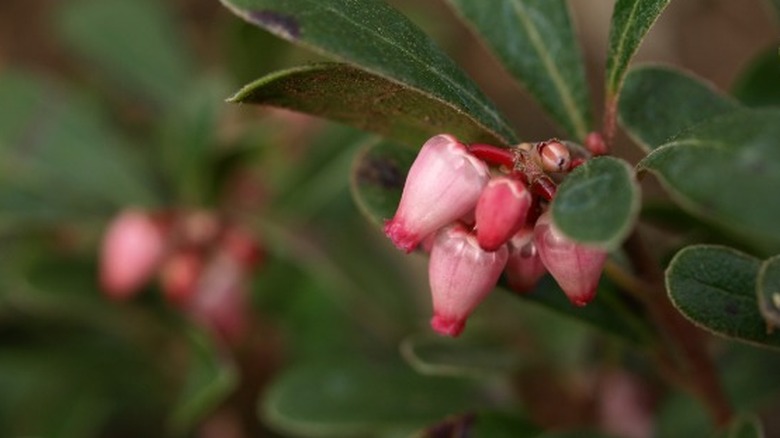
(377, 180)
(356, 399)
(726, 171)
(768, 290)
(631, 20)
(363, 100)
(438, 356)
(535, 41)
(132, 41)
(715, 287)
(759, 84)
(374, 37)
(658, 103)
(598, 202)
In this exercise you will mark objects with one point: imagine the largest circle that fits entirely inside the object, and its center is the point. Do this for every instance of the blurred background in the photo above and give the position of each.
(116, 106)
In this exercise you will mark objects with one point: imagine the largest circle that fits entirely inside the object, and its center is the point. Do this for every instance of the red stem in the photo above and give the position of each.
(493, 155)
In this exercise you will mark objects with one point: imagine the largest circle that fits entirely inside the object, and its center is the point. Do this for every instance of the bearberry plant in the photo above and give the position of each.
(496, 211)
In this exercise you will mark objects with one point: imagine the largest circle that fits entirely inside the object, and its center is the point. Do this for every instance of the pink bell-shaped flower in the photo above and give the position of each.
(461, 274)
(444, 184)
(576, 268)
(501, 210)
(131, 250)
(524, 267)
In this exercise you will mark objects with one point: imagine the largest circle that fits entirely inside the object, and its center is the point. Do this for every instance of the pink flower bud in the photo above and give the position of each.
(443, 184)
(179, 276)
(131, 250)
(501, 210)
(554, 156)
(576, 268)
(220, 302)
(524, 267)
(461, 274)
(595, 143)
(242, 245)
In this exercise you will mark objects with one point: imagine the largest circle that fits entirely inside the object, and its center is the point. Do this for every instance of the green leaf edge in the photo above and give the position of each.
(690, 75)
(735, 252)
(615, 76)
(245, 91)
(581, 123)
(507, 138)
(632, 216)
(771, 316)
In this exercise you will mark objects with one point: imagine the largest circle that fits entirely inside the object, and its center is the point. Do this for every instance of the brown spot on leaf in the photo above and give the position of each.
(283, 25)
(380, 172)
(732, 309)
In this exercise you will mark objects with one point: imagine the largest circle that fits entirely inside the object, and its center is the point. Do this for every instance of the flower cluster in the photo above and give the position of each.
(202, 262)
(477, 223)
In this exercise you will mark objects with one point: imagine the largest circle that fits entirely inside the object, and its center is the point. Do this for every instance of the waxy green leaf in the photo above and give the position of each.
(377, 180)
(658, 103)
(363, 100)
(715, 287)
(434, 355)
(598, 202)
(726, 171)
(359, 399)
(768, 290)
(759, 84)
(374, 37)
(631, 20)
(535, 41)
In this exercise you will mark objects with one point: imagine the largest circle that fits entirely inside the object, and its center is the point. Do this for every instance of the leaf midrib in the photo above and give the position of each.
(564, 91)
(619, 49)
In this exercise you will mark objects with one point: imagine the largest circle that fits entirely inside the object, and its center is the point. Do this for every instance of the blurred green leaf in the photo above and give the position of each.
(715, 287)
(349, 398)
(759, 84)
(374, 37)
(188, 137)
(768, 290)
(631, 20)
(726, 172)
(61, 151)
(680, 414)
(658, 103)
(210, 379)
(598, 202)
(361, 99)
(133, 41)
(438, 356)
(535, 41)
(377, 181)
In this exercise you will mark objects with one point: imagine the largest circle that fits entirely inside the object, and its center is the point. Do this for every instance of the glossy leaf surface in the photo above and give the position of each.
(374, 37)
(658, 103)
(631, 20)
(598, 202)
(726, 171)
(535, 41)
(363, 100)
(714, 287)
(356, 399)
